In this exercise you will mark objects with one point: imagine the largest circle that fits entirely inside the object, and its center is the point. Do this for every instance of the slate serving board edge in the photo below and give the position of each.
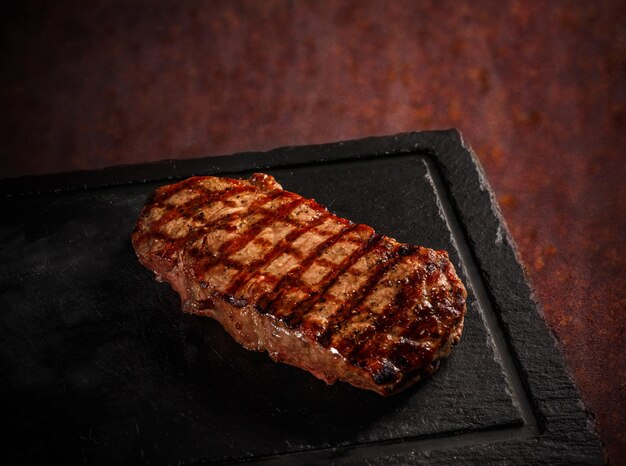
(564, 432)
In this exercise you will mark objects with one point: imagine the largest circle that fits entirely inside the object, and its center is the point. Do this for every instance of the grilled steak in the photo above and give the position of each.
(284, 275)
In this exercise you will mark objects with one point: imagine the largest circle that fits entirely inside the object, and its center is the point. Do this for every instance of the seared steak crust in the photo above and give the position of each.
(284, 275)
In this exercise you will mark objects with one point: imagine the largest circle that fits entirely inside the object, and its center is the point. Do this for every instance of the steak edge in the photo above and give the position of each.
(284, 275)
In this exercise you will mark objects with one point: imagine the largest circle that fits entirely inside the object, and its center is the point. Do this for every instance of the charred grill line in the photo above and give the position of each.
(295, 318)
(385, 320)
(155, 201)
(225, 221)
(165, 192)
(230, 247)
(203, 197)
(339, 318)
(245, 275)
(437, 299)
(294, 276)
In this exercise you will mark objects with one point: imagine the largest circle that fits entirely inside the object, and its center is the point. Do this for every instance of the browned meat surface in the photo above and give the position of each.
(284, 275)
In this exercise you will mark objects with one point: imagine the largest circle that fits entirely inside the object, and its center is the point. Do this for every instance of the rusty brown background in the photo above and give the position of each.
(537, 88)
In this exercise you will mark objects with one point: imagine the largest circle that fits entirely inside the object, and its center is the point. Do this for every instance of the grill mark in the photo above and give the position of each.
(385, 320)
(326, 263)
(246, 275)
(338, 319)
(439, 312)
(192, 236)
(165, 192)
(235, 244)
(155, 201)
(297, 314)
(226, 223)
(267, 301)
(355, 240)
(204, 197)
(295, 252)
(188, 209)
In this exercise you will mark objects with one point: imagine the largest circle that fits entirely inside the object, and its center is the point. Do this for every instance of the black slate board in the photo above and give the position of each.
(98, 363)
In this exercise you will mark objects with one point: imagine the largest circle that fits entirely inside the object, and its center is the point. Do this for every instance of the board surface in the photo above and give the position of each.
(99, 364)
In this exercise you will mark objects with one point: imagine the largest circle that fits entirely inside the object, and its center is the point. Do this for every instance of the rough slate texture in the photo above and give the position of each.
(537, 87)
(99, 364)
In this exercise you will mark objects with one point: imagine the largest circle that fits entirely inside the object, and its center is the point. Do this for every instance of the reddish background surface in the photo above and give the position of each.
(538, 90)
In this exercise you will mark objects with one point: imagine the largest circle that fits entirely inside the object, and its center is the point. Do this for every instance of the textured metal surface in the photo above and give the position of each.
(99, 363)
(538, 87)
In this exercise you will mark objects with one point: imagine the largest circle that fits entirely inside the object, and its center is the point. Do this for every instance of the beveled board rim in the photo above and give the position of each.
(558, 430)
